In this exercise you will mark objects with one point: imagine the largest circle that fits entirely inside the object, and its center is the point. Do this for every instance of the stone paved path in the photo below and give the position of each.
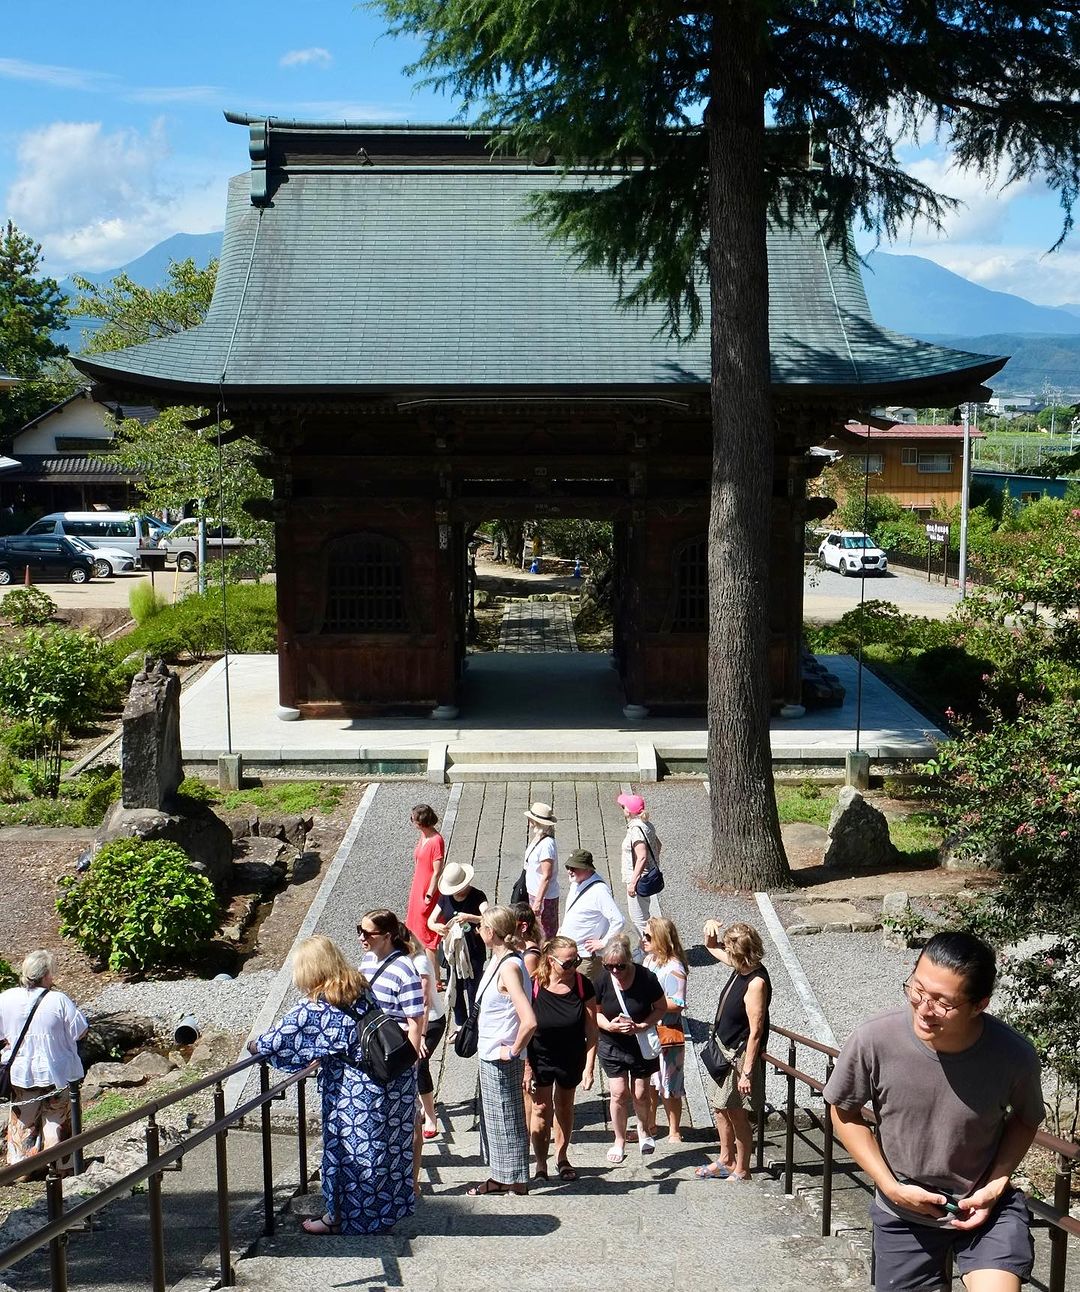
(646, 1225)
(537, 627)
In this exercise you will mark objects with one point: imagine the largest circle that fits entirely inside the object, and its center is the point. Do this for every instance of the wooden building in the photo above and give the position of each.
(919, 465)
(417, 357)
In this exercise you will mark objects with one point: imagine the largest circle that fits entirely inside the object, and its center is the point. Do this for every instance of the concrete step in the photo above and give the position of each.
(585, 757)
(531, 770)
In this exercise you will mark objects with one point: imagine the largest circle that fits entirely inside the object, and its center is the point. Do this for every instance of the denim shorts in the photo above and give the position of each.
(910, 1257)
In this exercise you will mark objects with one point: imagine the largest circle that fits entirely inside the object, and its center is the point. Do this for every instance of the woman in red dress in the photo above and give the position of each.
(428, 856)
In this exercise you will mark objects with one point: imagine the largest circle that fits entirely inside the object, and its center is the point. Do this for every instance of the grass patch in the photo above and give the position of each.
(291, 798)
(81, 802)
(916, 836)
(810, 804)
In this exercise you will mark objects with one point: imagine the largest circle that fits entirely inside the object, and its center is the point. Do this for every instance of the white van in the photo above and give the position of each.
(129, 530)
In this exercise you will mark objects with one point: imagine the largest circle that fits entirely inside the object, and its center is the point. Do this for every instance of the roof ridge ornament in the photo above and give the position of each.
(259, 151)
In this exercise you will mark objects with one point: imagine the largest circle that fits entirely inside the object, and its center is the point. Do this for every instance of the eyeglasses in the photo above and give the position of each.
(917, 997)
(567, 964)
(619, 966)
(646, 937)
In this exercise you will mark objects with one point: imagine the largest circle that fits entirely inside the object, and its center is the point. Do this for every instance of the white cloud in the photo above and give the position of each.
(65, 78)
(212, 94)
(314, 57)
(96, 199)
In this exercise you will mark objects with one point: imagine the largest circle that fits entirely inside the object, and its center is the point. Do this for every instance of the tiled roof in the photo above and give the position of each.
(61, 468)
(913, 431)
(144, 412)
(360, 280)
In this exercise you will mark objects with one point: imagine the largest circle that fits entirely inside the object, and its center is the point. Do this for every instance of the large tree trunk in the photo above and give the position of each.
(747, 850)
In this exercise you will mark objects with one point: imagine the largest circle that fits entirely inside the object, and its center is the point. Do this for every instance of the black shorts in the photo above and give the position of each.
(622, 1065)
(911, 1257)
(550, 1071)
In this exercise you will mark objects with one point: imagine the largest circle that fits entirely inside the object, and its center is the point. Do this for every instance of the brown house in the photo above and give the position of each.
(416, 357)
(921, 466)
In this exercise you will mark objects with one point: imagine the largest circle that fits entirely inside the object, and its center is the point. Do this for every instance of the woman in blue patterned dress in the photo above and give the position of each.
(367, 1165)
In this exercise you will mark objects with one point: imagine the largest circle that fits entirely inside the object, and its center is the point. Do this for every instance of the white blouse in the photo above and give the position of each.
(48, 1055)
(498, 1022)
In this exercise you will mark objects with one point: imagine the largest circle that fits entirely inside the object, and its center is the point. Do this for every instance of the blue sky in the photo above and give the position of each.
(112, 136)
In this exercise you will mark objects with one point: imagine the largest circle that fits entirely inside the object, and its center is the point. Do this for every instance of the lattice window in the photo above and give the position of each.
(691, 614)
(365, 586)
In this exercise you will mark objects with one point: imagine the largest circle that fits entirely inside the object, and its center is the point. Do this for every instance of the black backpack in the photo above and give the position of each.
(385, 1051)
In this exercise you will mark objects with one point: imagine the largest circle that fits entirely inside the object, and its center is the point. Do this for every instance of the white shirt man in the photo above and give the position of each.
(590, 915)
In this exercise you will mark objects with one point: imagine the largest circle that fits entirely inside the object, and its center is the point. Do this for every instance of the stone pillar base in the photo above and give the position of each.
(793, 711)
(285, 714)
(635, 712)
(445, 712)
(857, 769)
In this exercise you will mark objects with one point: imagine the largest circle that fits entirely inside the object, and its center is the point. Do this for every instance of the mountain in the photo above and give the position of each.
(1070, 309)
(914, 295)
(151, 269)
(1035, 361)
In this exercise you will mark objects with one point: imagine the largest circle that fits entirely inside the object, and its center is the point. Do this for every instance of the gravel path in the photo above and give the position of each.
(226, 1005)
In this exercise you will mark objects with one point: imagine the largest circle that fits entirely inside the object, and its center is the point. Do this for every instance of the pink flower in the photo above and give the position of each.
(1026, 830)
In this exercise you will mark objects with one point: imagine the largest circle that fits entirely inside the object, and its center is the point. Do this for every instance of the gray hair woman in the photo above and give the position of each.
(742, 1029)
(541, 867)
(43, 1062)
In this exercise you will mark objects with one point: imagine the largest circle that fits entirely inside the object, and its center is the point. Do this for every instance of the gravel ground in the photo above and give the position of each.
(825, 590)
(226, 1005)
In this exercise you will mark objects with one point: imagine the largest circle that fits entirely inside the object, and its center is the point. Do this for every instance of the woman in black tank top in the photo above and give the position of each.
(742, 1028)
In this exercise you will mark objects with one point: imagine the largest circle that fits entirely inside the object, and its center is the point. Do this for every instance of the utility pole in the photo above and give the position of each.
(965, 491)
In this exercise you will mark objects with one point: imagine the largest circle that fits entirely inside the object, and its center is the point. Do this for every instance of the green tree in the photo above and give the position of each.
(617, 89)
(32, 308)
(132, 314)
(176, 454)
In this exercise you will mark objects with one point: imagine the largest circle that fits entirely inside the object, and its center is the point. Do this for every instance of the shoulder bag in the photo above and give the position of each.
(648, 1041)
(715, 1055)
(467, 1041)
(5, 1067)
(520, 891)
(385, 1050)
(651, 880)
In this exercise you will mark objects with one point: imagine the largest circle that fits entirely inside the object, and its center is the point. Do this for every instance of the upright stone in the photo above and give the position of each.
(858, 834)
(151, 768)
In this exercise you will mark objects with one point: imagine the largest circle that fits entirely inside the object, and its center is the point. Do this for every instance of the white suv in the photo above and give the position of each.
(852, 553)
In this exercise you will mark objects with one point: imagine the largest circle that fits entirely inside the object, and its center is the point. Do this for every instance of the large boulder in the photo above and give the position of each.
(205, 838)
(116, 1032)
(151, 767)
(858, 835)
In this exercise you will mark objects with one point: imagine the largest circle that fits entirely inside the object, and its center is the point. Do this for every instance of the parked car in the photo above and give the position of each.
(107, 560)
(850, 552)
(131, 531)
(48, 558)
(181, 544)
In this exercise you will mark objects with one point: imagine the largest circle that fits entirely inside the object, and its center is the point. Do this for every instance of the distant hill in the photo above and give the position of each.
(914, 295)
(1035, 360)
(148, 270)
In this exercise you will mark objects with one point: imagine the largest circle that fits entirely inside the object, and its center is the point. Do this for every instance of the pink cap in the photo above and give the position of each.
(633, 803)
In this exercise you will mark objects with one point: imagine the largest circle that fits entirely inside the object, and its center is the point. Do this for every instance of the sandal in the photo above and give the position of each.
(320, 1225)
(494, 1186)
(616, 1155)
(714, 1171)
(541, 1175)
(566, 1171)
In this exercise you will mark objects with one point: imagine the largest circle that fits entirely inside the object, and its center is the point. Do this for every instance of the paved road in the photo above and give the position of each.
(828, 595)
(112, 594)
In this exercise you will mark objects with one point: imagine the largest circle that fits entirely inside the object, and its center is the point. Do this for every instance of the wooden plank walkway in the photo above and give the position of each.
(537, 628)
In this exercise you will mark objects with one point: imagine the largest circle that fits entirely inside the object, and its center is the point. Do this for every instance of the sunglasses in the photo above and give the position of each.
(366, 934)
(646, 937)
(619, 966)
(567, 964)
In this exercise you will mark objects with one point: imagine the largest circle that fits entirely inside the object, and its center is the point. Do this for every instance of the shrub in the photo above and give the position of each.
(192, 627)
(144, 601)
(100, 788)
(9, 976)
(140, 905)
(19, 739)
(28, 607)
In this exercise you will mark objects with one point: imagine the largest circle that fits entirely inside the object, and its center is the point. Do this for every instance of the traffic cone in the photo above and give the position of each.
(27, 580)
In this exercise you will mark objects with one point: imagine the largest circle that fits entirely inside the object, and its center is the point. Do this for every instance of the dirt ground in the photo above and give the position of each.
(32, 862)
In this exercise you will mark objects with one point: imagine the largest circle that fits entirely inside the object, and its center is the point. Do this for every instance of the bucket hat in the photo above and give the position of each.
(580, 859)
(455, 877)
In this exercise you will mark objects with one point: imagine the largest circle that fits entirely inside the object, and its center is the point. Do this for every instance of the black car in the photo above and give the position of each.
(48, 558)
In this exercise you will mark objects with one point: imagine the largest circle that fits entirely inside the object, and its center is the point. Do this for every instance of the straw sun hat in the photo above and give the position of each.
(542, 814)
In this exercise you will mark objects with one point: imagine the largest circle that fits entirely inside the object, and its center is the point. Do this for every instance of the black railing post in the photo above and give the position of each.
(789, 1129)
(301, 1130)
(54, 1202)
(267, 1151)
(157, 1219)
(78, 1166)
(221, 1153)
(827, 1163)
(760, 1165)
(1059, 1239)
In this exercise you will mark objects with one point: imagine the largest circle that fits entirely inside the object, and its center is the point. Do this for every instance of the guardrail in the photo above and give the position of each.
(60, 1223)
(1055, 1217)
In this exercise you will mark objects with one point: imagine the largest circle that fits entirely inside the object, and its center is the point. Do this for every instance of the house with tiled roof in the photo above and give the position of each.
(61, 460)
(921, 466)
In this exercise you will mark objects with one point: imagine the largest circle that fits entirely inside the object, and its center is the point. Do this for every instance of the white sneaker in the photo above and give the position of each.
(646, 1145)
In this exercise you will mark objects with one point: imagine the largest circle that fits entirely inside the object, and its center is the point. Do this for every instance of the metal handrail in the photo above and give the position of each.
(1054, 1217)
(60, 1222)
(10, 1174)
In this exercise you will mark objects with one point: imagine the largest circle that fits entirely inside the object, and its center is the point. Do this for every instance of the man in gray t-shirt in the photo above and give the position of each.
(958, 1100)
